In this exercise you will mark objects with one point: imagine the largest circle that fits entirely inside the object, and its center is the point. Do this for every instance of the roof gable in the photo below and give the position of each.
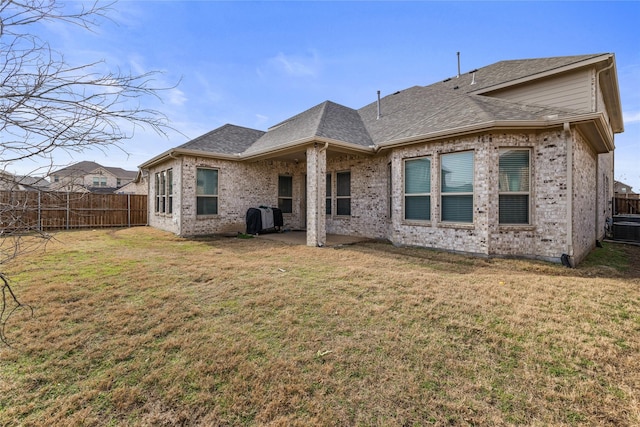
(116, 172)
(326, 120)
(504, 73)
(80, 168)
(227, 139)
(87, 167)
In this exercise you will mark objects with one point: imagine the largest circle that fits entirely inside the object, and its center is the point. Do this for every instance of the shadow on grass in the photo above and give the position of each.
(613, 260)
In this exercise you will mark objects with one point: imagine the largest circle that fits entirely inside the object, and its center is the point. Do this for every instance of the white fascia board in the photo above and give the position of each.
(177, 152)
(494, 125)
(299, 144)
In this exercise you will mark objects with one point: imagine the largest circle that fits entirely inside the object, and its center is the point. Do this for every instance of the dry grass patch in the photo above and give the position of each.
(139, 327)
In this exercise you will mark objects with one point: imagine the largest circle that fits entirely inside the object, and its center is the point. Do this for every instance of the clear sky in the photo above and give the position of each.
(254, 64)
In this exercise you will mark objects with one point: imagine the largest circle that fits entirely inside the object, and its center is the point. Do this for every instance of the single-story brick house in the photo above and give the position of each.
(512, 159)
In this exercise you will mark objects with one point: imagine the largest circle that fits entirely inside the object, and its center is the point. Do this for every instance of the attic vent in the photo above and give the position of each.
(446, 80)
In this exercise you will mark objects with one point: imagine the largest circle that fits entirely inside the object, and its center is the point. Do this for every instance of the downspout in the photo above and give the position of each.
(598, 163)
(568, 256)
(597, 207)
(598, 83)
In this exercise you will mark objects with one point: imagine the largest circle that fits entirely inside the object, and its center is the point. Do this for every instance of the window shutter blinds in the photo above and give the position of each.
(456, 176)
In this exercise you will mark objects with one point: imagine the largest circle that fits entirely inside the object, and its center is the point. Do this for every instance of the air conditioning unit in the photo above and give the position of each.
(627, 230)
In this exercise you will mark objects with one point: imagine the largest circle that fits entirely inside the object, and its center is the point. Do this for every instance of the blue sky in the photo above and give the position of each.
(256, 63)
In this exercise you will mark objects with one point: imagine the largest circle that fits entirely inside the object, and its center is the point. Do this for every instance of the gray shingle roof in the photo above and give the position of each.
(86, 167)
(80, 168)
(422, 110)
(418, 110)
(511, 70)
(227, 139)
(325, 120)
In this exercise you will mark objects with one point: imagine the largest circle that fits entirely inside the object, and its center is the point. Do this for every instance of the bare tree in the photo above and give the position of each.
(48, 105)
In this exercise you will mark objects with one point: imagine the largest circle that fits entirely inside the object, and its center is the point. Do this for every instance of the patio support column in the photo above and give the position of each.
(316, 195)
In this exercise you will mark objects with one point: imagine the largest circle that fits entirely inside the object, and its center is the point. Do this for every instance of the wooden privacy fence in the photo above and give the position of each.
(624, 206)
(45, 210)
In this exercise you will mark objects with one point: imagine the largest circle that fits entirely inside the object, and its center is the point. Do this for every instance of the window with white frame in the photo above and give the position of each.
(285, 193)
(417, 189)
(343, 193)
(328, 195)
(206, 191)
(169, 185)
(515, 175)
(99, 181)
(456, 187)
(164, 188)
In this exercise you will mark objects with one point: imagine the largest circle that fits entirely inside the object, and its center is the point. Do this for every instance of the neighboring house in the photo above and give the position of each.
(139, 185)
(10, 182)
(512, 159)
(623, 190)
(88, 176)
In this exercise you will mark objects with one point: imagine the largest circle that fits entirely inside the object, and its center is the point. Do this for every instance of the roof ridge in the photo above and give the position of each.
(321, 116)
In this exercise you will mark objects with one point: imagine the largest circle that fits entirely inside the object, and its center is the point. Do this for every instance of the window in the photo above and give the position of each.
(514, 186)
(207, 191)
(343, 193)
(169, 191)
(161, 183)
(285, 193)
(56, 178)
(328, 207)
(417, 189)
(99, 181)
(456, 187)
(118, 182)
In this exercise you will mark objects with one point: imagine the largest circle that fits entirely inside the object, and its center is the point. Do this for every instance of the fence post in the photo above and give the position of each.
(68, 213)
(39, 210)
(129, 210)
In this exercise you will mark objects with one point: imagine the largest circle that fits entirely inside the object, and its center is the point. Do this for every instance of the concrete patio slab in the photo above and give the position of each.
(300, 238)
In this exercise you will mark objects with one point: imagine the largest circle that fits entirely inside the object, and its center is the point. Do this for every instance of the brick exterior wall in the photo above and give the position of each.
(243, 185)
(585, 193)
(544, 238)
(369, 196)
(240, 186)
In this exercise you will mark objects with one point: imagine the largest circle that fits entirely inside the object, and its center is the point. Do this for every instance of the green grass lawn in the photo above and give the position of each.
(140, 327)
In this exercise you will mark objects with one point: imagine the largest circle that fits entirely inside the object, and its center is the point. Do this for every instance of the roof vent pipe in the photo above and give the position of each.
(473, 78)
(458, 76)
(378, 118)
